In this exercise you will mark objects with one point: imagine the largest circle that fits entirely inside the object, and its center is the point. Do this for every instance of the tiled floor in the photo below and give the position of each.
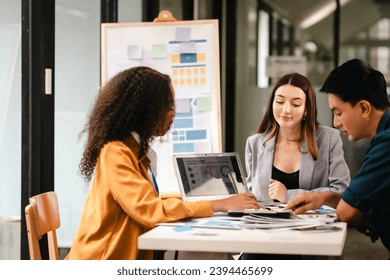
(359, 247)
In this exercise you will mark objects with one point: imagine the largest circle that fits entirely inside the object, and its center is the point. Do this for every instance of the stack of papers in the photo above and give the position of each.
(318, 219)
(262, 222)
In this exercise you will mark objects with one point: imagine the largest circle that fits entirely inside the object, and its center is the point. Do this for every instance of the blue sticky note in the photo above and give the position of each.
(183, 148)
(182, 228)
(183, 123)
(196, 134)
(187, 57)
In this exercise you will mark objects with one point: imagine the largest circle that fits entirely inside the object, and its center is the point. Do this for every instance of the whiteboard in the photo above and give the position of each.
(187, 51)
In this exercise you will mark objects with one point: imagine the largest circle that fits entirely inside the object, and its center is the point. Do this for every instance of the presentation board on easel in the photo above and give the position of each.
(188, 51)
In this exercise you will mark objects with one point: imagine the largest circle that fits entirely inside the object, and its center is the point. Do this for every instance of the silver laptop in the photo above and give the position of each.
(209, 176)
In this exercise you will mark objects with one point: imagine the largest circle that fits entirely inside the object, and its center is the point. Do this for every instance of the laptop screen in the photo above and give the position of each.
(212, 175)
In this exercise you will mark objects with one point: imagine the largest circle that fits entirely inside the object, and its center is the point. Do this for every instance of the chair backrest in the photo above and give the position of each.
(43, 217)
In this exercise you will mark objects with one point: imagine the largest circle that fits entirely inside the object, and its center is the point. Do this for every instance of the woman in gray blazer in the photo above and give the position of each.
(291, 152)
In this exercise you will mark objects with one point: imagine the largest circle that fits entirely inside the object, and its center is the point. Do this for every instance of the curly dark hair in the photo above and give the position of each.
(137, 99)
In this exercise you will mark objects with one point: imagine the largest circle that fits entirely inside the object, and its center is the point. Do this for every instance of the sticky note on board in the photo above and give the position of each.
(187, 58)
(183, 34)
(187, 47)
(182, 105)
(203, 103)
(201, 57)
(159, 51)
(175, 58)
(134, 52)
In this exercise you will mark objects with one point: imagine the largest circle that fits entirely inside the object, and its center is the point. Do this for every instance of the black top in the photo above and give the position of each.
(290, 180)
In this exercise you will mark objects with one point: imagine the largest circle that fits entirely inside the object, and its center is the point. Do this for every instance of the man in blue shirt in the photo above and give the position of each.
(358, 99)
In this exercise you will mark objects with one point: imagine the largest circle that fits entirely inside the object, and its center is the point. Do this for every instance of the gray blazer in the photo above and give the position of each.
(328, 173)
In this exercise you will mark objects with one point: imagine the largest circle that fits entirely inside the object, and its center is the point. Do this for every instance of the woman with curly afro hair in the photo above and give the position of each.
(133, 107)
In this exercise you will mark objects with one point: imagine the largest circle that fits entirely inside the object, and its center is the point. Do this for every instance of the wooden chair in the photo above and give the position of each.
(43, 217)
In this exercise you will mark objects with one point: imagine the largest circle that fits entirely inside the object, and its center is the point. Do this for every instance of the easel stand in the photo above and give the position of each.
(164, 16)
(187, 51)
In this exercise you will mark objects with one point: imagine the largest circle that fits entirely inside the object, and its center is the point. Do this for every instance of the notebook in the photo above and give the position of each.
(209, 176)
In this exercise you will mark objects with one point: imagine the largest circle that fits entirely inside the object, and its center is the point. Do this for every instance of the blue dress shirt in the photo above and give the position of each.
(369, 190)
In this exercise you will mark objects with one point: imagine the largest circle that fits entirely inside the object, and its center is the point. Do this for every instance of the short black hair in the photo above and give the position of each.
(356, 80)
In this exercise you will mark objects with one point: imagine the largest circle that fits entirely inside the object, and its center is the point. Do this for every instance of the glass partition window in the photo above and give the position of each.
(10, 107)
(129, 11)
(372, 45)
(262, 48)
(77, 79)
(77, 83)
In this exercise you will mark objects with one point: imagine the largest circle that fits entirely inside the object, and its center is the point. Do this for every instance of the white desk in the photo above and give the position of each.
(246, 240)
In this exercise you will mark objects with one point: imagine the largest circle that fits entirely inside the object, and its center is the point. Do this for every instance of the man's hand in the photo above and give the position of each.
(303, 202)
(367, 228)
(312, 200)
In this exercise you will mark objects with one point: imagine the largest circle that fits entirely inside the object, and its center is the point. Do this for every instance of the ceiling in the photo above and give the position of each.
(355, 16)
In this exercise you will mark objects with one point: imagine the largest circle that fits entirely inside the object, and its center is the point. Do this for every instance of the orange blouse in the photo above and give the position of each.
(122, 204)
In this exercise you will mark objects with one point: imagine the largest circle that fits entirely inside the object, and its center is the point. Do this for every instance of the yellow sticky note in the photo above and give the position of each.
(175, 58)
(201, 57)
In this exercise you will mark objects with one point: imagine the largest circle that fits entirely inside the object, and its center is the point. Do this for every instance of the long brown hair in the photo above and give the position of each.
(309, 123)
(136, 99)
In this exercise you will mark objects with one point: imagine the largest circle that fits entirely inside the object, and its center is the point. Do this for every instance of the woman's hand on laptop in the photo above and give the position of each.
(236, 202)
